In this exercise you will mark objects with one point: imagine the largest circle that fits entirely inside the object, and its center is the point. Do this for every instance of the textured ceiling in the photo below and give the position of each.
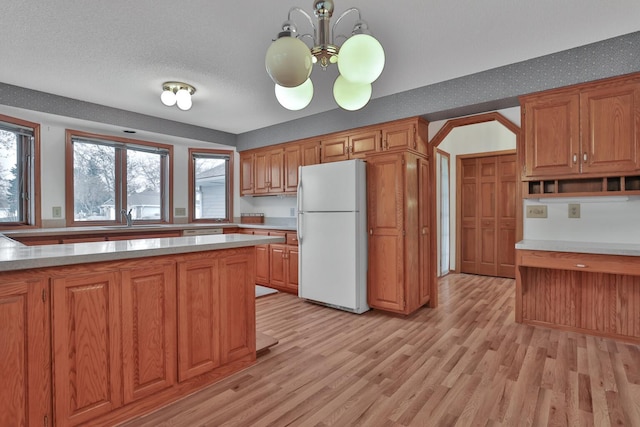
(117, 53)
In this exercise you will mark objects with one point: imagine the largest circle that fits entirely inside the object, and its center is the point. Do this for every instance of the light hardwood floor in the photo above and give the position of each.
(464, 363)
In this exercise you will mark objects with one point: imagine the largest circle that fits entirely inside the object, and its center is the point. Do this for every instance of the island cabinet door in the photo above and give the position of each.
(87, 369)
(148, 329)
(24, 353)
(238, 306)
(198, 317)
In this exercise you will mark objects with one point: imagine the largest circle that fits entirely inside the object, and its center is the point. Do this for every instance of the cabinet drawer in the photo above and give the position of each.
(292, 239)
(612, 264)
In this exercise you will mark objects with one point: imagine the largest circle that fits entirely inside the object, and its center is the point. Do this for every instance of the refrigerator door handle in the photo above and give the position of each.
(299, 203)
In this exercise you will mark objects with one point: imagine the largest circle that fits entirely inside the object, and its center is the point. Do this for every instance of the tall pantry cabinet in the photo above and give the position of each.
(401, 277)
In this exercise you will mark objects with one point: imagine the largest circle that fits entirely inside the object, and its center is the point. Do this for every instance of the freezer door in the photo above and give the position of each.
(330, 264)
(328, 187)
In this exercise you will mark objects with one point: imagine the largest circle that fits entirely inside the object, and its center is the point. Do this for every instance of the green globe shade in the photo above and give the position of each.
(295, 98)
(288, 61)
(349, 95)
(361, 59)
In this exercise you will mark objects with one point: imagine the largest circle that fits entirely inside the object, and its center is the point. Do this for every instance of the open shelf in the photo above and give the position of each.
(605, 186)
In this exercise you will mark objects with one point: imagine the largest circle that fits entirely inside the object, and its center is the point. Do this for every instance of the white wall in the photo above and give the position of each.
(601, 220)
(470, 139)
(270, 206)
(52, 146)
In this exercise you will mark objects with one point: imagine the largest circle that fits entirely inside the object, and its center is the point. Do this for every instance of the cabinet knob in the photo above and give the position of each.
(575, 158)
(584, 157)
(371, 231)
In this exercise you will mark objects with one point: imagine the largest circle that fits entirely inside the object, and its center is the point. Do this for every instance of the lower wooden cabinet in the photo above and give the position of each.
(284, 267)
(277, 264)
(401, 256)
(96, 344)
(148, 329)
(87, 374)
(25, 353)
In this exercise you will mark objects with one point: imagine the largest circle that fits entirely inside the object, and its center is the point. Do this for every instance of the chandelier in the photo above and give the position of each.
(176, 93)
(289, 61)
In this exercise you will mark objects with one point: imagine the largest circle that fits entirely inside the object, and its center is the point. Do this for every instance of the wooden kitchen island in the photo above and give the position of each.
(97, 333)
(591, 288)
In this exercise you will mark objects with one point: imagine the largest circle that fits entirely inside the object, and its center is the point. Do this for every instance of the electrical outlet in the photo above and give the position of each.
(180, 211)
(56, 212)
(574, 210)
(537, 211)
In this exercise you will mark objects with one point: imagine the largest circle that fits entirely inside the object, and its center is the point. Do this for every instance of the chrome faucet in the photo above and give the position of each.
(127, 216)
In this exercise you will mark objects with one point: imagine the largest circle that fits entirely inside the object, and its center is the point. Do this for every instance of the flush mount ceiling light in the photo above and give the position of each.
(176, 93)
(289, 61)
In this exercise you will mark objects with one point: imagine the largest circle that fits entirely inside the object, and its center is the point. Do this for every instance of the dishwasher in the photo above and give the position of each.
(201, 231)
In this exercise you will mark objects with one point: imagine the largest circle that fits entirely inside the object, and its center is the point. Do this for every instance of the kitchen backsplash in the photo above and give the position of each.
(271, 206)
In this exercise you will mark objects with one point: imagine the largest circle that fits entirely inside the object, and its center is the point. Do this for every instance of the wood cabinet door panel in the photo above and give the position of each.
(507, 215)
(87, 354)
(385, 192)
(277, 263)
(292, 161)
(610, 120)
(198, 317)
(292, 265)
(276, 171)
(148, 329)
(246, 174)
(237, 308)
(25, 353)
(310, 153)
(262, 264)
(364, 143)
(399, 136)
(552, 135)
(261, 172)
(334, 150)
(424, 246)
(386, 288)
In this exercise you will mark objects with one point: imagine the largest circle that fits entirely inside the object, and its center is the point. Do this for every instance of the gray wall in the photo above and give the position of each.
(489, 90)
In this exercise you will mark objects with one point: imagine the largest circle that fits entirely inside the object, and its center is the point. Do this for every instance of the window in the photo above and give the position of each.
(210, 185)
(19, 172)
(110, 175)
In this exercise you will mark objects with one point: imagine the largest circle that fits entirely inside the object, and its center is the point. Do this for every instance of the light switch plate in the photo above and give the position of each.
(574, 210)
(180, 211)
(56, 212)
(537, 211)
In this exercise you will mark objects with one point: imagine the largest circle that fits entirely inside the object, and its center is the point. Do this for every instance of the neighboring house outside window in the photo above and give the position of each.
(210, 185)
(19, 173)
(109, 175)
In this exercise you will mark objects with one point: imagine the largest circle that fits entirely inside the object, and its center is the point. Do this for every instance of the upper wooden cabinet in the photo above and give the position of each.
(591, 129)
(406, 134)
(351, 145)
(274, 169)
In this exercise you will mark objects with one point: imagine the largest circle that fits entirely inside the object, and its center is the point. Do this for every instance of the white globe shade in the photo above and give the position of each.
(183, 99)
(361, 59)
(168, 98)
(288, 61)
(295, 98)
(349, 95)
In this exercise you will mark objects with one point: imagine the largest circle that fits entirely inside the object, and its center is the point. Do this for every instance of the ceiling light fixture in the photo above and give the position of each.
(289, 61)
(176, 93)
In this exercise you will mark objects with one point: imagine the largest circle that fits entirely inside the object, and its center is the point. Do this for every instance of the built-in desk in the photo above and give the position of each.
(586, 287)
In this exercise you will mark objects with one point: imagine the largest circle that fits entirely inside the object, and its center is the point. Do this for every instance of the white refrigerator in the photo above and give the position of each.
(332, 235)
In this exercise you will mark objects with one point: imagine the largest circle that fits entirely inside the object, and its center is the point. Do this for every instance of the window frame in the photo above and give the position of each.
(120, 183)
(33, 215)
(193, 152)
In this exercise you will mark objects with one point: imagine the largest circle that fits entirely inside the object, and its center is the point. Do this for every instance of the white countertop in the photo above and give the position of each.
(580, 247)
(19, 257)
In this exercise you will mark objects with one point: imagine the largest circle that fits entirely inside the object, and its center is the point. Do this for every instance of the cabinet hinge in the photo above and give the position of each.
(46, 421)
(404, 233)
(44, 295)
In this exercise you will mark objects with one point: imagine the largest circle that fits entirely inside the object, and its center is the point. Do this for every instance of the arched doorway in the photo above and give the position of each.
(504, 138)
